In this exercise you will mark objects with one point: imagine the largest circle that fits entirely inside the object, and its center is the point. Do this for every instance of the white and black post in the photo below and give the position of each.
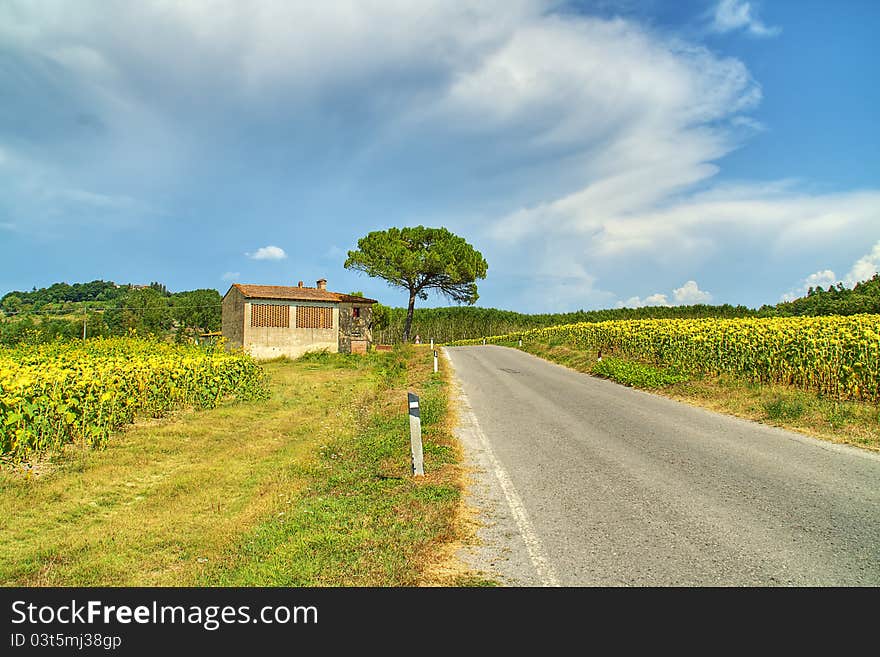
(415, 435)
(435, 361)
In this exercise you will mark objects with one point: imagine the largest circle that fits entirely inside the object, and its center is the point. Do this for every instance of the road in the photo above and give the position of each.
(581, 482)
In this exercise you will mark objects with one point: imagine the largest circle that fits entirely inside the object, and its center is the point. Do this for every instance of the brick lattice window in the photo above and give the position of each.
(271, 315)
(314, 317)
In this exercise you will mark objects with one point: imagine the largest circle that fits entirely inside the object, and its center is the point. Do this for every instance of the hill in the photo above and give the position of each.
(104, 308)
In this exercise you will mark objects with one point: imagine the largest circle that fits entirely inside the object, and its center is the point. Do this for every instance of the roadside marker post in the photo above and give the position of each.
(432, 343)
(435, 361)
(484, 340)
(520, 342)
(415, 436)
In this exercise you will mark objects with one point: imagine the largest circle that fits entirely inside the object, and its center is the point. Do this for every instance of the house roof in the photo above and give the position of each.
(297, 294)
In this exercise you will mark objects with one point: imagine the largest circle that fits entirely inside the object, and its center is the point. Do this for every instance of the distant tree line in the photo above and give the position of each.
(105, 308)
(60, 293)
(464, 322)
(461, 323)
(838, 299)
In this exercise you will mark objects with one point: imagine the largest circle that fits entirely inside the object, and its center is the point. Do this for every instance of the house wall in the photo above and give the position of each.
(269, 342)
(355, 335)
(233, 318)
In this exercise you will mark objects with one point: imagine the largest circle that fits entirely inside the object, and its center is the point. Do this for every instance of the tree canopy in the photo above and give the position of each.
(61, 310)
(838, 299)
(419, 260)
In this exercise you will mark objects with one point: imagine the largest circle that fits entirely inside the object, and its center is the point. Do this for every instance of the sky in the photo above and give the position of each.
(598, 154)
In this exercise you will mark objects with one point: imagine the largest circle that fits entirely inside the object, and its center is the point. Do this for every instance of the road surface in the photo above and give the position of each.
(582, 482)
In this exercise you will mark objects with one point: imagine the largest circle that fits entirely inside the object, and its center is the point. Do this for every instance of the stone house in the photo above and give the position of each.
(274, 320)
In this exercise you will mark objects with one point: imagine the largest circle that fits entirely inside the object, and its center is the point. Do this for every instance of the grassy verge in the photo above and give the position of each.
(311, 487)
(853, 423)
(637, 375)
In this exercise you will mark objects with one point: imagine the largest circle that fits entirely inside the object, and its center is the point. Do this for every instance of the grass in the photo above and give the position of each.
(311, 487)
(849, 422)
(637, 375)
(781, 409)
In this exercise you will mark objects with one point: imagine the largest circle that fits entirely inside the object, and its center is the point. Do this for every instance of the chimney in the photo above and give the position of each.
(322, 283)
(300, 284)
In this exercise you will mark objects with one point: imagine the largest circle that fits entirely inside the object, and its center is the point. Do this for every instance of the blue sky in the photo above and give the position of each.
(598, 153)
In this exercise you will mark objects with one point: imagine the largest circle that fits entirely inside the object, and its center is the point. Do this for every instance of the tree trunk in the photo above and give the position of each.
(409, 315)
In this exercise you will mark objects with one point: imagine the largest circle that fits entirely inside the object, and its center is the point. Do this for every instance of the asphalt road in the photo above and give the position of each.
(580, 481)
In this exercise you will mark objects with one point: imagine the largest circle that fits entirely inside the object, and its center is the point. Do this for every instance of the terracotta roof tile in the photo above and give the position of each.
(297, 294)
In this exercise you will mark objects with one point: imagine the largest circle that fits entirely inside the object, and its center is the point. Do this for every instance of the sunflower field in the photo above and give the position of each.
(831, 355)
(81, 391)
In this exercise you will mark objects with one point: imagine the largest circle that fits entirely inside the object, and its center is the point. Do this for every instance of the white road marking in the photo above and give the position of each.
(546, 573)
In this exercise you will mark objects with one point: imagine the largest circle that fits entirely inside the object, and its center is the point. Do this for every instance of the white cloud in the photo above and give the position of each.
(619, 127)
(690, 294)
(263, 48)
(645, 153)
(231, 276)
(738, 15)
(665, 227)
(637, 302)
(864, 268)
(822, 278)
(267, 253)
(224, 64)
(686, 295)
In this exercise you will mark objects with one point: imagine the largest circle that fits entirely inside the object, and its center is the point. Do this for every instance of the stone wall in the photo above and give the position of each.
(233, 318)
(355, 335)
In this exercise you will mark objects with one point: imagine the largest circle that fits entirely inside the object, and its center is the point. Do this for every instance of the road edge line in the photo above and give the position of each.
(546, 572)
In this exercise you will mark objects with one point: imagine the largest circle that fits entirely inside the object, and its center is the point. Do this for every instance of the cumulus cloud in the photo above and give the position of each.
(738, 15)
(862, 269)
(267, 253)
(690, 294)
(822, 278)
(686, 295)
(652, 300)
(231, 276)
